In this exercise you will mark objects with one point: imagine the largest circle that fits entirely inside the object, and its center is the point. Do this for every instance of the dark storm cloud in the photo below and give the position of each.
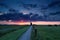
(3, 5)
(30, 6)
(14, 16)
(34, 17)
(20, 16)
(11, 10)
(36, 8)
(56, 13)
(54, 4)
(27, 6)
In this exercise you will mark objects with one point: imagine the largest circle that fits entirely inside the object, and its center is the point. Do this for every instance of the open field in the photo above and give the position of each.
(46, 33)
(41, 32)
(11, 32)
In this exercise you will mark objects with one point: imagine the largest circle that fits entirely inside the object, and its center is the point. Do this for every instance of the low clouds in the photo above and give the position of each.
(19, 16)
(38, 13)
(56, 13)
(14, 16)
(26, 17)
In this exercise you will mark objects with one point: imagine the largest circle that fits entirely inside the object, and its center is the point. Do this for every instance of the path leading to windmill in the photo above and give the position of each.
(26, 35)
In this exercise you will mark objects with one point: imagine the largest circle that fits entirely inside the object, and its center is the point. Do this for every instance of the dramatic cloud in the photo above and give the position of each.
(54, 4)
(3, 5)
(56, 13)
(41, 10)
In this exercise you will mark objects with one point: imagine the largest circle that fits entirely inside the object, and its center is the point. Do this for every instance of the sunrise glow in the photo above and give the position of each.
(28, 23)
(21, 21)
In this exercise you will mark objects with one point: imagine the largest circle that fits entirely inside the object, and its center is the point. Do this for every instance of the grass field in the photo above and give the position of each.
(43, 32)
(47, 33)
(11, 32)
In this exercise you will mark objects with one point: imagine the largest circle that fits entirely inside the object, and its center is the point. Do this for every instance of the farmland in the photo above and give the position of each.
(45, 32)
(39, 32)
(11, 32)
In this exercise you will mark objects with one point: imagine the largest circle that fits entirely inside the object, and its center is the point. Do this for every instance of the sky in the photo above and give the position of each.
(26, 10)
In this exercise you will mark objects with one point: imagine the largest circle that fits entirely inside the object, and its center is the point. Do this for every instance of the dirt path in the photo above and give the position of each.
(26, 35)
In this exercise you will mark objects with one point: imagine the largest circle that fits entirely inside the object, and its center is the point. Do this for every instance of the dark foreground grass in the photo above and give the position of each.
(14, 34)
(4, 29)
(47, 33)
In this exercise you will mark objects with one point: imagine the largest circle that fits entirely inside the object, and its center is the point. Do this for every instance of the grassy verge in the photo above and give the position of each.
(5, 29)
(13, 35)
(47, 33)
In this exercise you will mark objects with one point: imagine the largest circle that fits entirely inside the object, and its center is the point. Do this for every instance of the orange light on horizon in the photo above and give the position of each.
(41, 23)
(25, 23)
(22, 22)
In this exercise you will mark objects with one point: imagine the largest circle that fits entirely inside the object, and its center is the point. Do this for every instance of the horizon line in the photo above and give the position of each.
(33, 22)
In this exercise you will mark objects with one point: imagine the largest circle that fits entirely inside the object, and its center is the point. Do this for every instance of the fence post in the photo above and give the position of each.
(35, 32)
